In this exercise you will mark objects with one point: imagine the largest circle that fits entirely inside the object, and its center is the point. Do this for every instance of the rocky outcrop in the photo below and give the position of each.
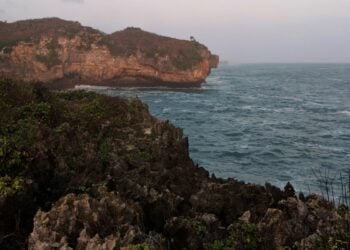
(85, 171)
(64, 54)
(303, 223)
(83, 222)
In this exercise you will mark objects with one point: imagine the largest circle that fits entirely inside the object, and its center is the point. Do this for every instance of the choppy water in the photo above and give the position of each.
(263, 123)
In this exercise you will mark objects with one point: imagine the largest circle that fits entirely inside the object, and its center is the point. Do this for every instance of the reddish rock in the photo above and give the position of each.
(64, 54)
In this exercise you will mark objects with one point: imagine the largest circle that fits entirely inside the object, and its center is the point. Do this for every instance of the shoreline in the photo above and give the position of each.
(102, 171)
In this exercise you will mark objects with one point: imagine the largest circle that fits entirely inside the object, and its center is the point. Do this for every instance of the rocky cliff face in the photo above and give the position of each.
(64, 53)
(85, 171)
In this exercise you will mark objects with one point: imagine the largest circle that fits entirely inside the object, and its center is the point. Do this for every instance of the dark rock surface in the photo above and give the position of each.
(85, 171)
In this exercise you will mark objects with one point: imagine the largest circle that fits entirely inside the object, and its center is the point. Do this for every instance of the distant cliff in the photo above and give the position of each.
(64, 53)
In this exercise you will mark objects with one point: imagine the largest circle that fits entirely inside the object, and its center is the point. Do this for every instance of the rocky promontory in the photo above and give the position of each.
(80, 170)
(64, 53)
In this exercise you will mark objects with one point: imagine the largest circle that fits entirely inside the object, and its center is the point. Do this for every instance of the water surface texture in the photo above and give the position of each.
(262, 123)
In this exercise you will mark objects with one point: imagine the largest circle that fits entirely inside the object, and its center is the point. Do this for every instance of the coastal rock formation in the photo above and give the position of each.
(91, 223)
(80, 170)
(64, 53)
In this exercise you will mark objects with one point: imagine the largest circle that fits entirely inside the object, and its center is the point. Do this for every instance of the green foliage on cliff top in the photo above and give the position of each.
(183, 55)
(187, 58)
(54, 143)
(72, 129)
(164, 52)
(33, 29)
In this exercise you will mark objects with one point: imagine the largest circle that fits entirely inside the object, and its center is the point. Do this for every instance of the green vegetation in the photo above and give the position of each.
(104, 150)
(187, 58)
(140, 247)
(246, 236)
(199, 227)
(118, 49)
(52, 143)
(251, 236)
(333, 243)
(32, 30)
(35, 123)
(182, 55)
(10, 186)
(226, 244)
(71, 31)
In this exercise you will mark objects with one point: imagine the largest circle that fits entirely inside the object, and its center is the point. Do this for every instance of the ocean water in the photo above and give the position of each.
(263, 123)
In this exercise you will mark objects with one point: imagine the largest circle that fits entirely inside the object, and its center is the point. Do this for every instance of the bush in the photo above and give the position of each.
(187, 58)
(251, 236)
(10, 186)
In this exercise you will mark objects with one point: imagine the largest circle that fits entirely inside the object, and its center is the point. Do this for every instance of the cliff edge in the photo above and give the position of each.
(80, 170)
(65, 53)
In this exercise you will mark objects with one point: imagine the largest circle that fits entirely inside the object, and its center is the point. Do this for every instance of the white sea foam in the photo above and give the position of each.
(247, 107)
(91, 87)
(242, 110)
(275, 110)
(284, 110)
(344, 112)
(165, 110)
(336, 79)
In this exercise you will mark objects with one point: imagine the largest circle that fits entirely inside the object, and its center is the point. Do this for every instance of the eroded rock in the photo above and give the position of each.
(84, 222)
(65, 54)
(100, 182)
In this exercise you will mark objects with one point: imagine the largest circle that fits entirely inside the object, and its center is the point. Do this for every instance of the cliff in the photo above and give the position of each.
(64, 53)
(80, 170)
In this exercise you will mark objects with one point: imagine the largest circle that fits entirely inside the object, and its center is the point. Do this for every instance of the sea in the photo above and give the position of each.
(261, 123)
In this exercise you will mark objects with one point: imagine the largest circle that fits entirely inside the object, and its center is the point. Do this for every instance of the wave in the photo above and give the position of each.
(91, 87)
(344, 112)
(149, 88)
(254, 123)
(234, 154)
(271, 110)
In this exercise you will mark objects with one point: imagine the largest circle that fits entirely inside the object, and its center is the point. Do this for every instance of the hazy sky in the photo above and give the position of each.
(238, 30)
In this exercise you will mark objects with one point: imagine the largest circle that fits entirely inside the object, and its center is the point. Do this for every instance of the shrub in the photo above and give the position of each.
(118, 49)
(104, 151)
(250, 236)
(187, 58)
(226, 244)
(10, 157)
(140, 247)
(9, 186)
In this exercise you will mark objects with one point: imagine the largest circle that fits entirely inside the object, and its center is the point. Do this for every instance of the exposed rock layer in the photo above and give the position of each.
(84, 171)
(64, 53)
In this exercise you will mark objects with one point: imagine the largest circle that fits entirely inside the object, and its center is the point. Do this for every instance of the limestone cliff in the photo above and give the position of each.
(64, 53)
(80, 170)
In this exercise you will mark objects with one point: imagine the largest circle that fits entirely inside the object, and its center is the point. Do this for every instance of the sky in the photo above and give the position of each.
(239, 31)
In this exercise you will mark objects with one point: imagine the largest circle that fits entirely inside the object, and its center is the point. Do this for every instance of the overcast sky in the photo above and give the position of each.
(241, 31)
